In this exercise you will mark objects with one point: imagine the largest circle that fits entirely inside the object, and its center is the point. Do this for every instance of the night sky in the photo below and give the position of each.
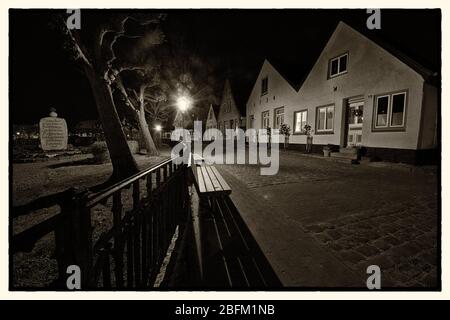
(233, 42)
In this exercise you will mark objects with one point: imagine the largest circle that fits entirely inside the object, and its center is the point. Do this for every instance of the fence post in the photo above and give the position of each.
(73, 240)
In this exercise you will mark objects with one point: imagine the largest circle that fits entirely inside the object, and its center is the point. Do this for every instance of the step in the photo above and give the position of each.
(343, 155)
(349, 150)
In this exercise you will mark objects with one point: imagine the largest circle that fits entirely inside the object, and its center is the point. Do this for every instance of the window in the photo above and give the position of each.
(279, 118)
(300, 118)
(265, 120)
(325, 119)
(398, 110)
(390, 110)
(382, 106)
(338, 65)
(264, 86)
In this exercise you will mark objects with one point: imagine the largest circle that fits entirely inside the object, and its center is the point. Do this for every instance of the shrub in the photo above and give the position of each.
(285, 130)
(100, 152)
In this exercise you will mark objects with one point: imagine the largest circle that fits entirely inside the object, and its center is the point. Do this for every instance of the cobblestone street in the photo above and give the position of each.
(340, 218)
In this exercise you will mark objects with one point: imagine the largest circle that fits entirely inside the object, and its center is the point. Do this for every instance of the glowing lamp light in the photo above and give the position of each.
(183, 103)
(158, 127)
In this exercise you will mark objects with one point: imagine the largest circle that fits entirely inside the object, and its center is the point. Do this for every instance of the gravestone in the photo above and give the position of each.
(53, 132)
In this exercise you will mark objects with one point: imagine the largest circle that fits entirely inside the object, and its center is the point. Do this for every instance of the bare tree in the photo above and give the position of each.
(134, 99)
(93, 48)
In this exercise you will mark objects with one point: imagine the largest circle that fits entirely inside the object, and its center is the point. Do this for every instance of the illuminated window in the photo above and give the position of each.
(300, 118)
(325, 119)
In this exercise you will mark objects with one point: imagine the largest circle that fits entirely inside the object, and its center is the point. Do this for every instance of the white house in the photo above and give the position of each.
(270, 100)
(359, 92)
(230, 115)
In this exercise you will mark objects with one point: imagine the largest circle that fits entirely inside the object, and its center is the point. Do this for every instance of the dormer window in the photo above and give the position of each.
(338, 65)
(264, 86)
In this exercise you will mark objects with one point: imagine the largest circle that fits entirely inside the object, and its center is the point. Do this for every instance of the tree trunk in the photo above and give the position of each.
(143, 125)
(122, 160)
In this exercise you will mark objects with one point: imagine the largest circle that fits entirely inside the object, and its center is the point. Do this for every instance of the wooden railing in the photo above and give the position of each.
(140, 217)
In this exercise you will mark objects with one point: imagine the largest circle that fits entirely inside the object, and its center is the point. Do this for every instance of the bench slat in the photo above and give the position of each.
(201, 181)
(208, 183)
(215, 182)
(222, 181)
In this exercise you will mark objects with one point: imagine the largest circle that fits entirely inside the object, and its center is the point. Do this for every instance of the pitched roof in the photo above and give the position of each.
(289, 72)
(240, 93)
(296, 78)
(427, 74)
(216, 109)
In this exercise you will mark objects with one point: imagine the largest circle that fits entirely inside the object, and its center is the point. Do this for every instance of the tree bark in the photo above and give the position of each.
(143, 125)
(122, 160)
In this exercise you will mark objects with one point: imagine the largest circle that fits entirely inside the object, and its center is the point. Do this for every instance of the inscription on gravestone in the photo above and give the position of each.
(53, 133)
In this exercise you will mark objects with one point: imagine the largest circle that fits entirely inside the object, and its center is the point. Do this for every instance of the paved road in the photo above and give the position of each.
(321, 223)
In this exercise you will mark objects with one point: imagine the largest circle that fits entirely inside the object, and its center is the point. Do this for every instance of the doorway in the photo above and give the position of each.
(355, 117)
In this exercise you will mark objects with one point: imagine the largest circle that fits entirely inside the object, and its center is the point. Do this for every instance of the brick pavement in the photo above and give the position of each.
(358, 215)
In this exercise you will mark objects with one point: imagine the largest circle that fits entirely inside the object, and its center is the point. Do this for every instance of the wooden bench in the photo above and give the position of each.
(227, 253)
(208, 180)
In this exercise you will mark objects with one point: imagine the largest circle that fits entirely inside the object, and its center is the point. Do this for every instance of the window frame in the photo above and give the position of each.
(263, 93)
(302, 131)
(392, 109)
(275, 117)
(339, 73)
(389, 126)
(325, 131)
(262, 119)
(387, 113)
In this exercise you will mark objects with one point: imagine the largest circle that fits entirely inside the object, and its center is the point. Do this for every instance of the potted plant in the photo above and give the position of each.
(309, 138)
(286, 131)
(327, 150)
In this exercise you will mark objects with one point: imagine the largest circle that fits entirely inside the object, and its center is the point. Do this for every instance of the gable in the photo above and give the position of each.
(276, 81)
(364, 56)
(211, 113)
(228, 108)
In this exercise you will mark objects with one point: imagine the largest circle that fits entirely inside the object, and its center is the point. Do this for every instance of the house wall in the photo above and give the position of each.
(371, 71)
(428, 138)
(233, 113)
(280, 94)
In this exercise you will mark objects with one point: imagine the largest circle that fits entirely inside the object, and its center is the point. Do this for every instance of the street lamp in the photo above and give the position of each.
(183, 104)
(158, 129)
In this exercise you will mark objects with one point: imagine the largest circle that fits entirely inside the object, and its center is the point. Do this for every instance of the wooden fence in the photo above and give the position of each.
(130, 253)
(141, 218)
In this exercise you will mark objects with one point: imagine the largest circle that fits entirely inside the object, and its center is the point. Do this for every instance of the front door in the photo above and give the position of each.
(355, 122)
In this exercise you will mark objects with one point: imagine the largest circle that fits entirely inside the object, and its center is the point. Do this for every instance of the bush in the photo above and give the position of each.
(100, 152)
(285, 130)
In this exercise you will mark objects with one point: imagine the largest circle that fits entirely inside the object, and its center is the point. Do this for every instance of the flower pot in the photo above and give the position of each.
(309, 142)
(286, 142)
(326, 153)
